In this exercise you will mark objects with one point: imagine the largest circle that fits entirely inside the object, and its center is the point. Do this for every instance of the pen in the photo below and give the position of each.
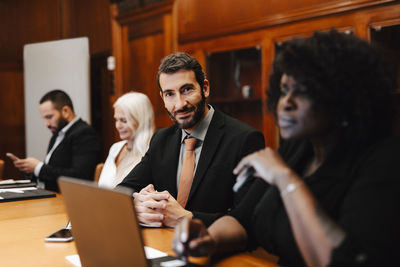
(242, 178)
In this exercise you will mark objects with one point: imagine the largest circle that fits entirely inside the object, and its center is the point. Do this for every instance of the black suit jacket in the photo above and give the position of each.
(227, 141)
(76, 156)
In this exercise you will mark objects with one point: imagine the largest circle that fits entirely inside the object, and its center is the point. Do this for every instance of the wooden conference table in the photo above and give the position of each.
(24, 224)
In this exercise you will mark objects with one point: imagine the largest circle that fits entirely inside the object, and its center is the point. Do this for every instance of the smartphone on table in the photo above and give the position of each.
(62, 235)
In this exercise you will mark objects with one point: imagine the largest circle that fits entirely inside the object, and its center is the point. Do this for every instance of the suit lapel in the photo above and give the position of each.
(76, 125)
(210, 146)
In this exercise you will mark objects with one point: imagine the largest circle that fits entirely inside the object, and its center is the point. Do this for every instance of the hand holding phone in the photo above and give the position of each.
(242, 178)
(12, 156)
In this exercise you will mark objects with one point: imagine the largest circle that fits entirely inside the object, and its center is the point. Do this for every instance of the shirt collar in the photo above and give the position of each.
(201, 130)
(69, 125)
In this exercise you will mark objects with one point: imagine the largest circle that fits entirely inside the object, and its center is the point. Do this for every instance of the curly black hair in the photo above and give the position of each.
(345, 78)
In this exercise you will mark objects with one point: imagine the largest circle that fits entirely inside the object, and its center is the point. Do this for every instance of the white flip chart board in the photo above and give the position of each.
(62, 64)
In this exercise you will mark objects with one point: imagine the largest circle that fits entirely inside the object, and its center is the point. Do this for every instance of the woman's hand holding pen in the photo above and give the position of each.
(192, 238)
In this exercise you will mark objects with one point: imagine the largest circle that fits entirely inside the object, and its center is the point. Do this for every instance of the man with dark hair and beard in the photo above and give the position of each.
(164, 194)
(74, 148)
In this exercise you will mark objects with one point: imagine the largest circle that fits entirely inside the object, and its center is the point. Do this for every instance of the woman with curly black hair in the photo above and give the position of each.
(331, 194)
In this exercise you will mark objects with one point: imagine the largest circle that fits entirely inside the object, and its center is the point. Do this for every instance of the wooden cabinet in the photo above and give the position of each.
(385, 34)
(235, 80)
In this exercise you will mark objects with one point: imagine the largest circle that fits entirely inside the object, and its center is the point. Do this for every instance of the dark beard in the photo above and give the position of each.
(199, 111)
(61, 124)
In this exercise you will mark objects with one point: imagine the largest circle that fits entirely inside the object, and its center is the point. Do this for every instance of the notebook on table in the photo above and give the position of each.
(11, 183)
(105, 227)
(13, 190)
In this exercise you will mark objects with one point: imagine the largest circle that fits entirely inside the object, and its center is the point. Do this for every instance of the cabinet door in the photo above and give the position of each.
(235, 81)
(386, 37)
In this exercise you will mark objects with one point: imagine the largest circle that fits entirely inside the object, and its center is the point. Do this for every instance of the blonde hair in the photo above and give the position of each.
(139, 112)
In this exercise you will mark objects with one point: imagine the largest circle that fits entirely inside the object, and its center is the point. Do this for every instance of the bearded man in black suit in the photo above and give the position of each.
(221, 142)
(74, 148)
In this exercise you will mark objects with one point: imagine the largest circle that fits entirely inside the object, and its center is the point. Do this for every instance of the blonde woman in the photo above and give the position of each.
(134, 120)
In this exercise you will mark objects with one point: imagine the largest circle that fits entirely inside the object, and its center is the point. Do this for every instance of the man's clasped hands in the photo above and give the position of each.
(156, 209)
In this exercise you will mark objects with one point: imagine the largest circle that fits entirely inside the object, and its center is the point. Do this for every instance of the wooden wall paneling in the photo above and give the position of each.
(146, 54)
(356, 21)
(269, 129)
(151, 11)
(200, 55)
(89, 18)
(145, 27)
(174, 27)
(12, 134)
(27, 22)
(232, 16)
(117, 52)
(127, 5)
(141, 39)
(126, 64)
(101, 108)
(225, 43)
(360, 27)
(120, 50)
(66, 19)
(168, 29)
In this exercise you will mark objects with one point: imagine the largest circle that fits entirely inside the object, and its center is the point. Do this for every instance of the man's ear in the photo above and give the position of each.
(206, 88)
(66, 112)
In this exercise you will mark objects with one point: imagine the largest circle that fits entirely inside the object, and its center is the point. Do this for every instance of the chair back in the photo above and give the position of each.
(97, 172)
(1, 168)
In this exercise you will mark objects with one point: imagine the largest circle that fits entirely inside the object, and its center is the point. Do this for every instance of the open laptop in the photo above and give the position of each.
(105, 227)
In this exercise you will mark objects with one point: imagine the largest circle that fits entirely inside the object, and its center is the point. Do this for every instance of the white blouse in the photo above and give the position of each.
(111, 175)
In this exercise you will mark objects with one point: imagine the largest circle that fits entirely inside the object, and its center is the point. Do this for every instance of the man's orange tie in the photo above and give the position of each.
(187, 173)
